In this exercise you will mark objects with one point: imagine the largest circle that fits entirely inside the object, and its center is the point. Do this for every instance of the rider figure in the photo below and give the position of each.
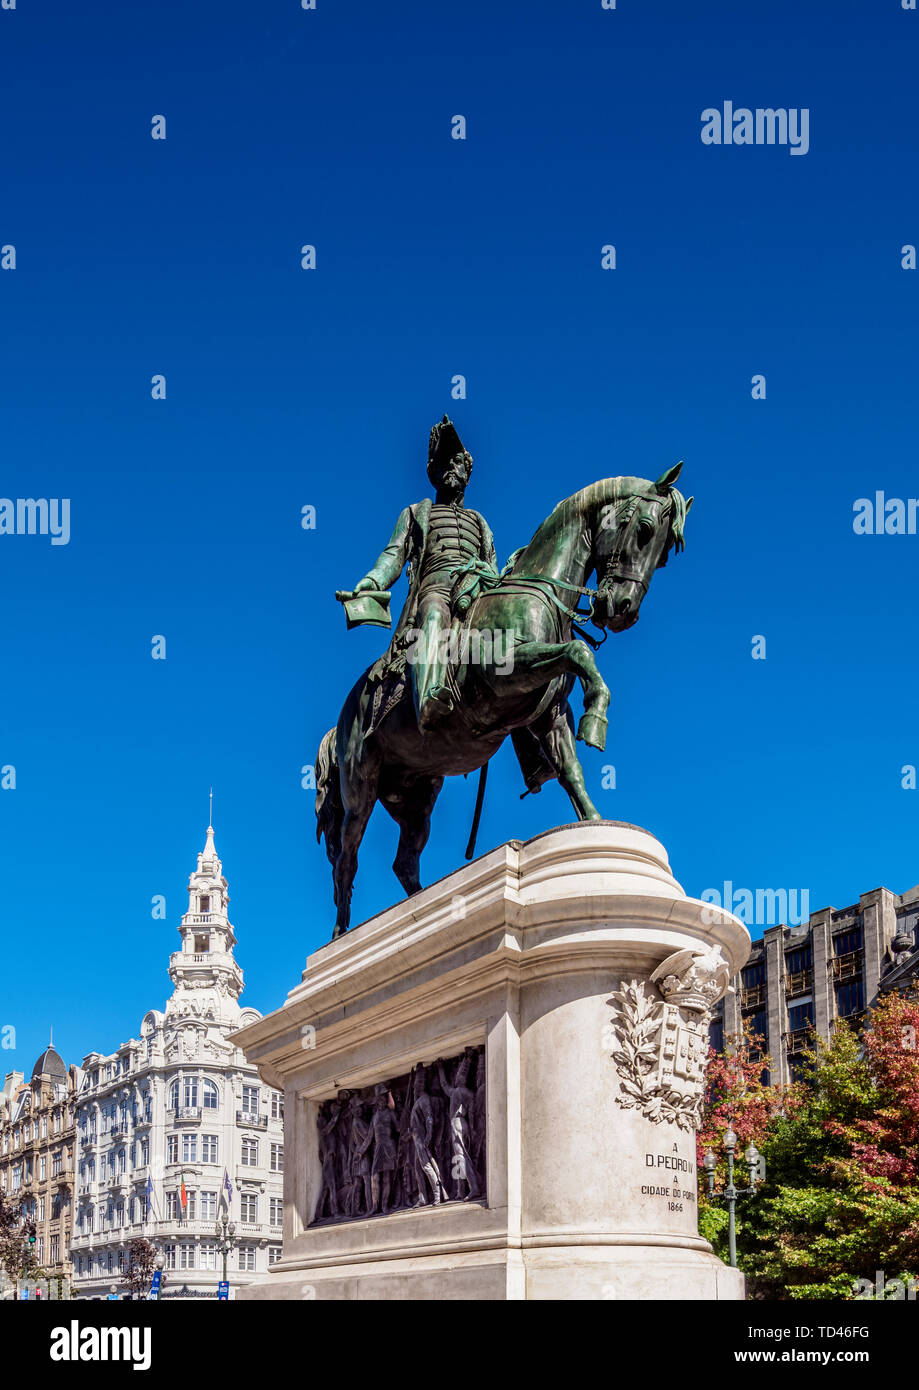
(436, 540)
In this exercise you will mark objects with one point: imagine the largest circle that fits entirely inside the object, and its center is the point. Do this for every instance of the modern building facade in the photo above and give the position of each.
(801, 980)
(175, 1130)
(37, 1155)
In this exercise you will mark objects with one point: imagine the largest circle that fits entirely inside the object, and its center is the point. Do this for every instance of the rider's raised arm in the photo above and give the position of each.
(391, 561)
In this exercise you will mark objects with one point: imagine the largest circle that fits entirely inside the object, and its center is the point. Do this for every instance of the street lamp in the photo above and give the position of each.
(756, 1168)
(160, 1266)
(225, 1231)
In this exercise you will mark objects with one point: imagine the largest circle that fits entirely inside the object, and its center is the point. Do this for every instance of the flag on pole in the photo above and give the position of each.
(148, 1193)
(183, 1196)
(227, 1193)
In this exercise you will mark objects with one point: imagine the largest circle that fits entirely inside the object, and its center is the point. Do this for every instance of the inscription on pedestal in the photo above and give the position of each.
(414, 1141)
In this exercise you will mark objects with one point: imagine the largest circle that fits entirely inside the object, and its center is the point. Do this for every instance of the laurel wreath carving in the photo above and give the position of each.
(638, 1020)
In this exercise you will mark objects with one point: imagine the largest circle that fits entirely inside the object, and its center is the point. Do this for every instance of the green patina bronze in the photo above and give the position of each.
(477, 655)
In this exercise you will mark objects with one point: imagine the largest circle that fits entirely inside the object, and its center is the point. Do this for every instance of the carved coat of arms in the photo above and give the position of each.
(661, 1036)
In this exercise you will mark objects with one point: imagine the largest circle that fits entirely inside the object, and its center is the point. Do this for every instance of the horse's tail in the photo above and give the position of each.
(330, 811)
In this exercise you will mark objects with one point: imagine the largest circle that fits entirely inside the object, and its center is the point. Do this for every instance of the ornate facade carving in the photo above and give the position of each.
(415, 1141)
(661, 1036)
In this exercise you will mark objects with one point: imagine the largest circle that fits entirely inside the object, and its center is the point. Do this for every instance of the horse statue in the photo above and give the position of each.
(516, 660)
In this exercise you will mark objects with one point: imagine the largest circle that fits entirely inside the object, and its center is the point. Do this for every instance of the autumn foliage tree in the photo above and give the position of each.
(841, 1198)
(736, 1096)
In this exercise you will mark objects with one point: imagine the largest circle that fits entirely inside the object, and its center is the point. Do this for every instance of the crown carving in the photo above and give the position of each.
(694, 979)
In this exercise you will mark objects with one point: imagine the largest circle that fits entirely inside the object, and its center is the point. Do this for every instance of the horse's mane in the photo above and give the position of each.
(615, 491)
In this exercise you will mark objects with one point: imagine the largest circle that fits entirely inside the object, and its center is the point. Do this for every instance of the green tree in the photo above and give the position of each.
(841, 1198)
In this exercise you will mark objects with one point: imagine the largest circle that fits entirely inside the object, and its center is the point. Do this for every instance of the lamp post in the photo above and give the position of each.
(756, 1170)
(225, 1231)
(160, 1265)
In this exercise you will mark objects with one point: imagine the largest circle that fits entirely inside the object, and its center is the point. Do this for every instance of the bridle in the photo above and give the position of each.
(615, 572)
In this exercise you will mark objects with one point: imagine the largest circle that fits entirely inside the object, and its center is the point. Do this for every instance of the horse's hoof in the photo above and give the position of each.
(592, 730)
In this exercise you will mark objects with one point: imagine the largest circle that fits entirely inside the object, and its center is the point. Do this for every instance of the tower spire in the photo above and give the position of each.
(210, 812)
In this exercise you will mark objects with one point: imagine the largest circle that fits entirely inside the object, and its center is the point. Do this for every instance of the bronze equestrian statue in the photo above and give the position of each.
(478, 655)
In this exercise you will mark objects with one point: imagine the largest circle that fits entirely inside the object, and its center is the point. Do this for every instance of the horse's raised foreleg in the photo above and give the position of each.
(410, 807)
(359, 794)
(536, 663)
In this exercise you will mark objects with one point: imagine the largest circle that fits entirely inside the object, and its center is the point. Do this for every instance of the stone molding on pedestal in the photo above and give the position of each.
(591, 1100)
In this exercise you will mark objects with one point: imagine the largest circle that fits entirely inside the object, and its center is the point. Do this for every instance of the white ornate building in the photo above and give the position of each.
(181, 1105)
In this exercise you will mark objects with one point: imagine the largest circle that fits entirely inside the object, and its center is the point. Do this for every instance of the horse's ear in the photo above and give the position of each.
(666, 480)
(689, 502)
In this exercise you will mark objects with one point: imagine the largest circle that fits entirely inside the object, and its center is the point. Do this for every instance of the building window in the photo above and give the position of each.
(204, 905)
(189, 1148)
(208, 1206)
(250, 1100)
(274, 1254)
(170, 1252)
(850, 998)
(207, 1255)
(277, 1158)
(277, 1211)
(210, 1095)
(248, 1207)
(174, 1095)
(41, 1209)
(122, 1161)
(800, 1016)
(44, 1126)
(716, 1034)
(249, 1155)
(848, 941)
(209, 1148)
(172, 1148)
(247, 1257)
(802, 958)
(190, 1091)
(172, 1206)
(42, 1168)
(759, 1027)
(187, 1255)
(277, 1105)
(56, 1164)
(753, 975)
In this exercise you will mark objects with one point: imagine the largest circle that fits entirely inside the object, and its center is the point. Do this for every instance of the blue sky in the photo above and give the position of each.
(288, 387)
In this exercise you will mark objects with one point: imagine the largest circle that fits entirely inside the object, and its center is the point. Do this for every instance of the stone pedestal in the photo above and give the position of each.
(548, 954)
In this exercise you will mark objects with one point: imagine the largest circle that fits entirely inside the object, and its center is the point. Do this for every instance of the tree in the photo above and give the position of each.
(841, 1200)
(140, 1266)
(736, 1095)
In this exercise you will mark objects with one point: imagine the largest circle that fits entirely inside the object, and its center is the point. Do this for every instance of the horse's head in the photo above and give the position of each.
(633, 536)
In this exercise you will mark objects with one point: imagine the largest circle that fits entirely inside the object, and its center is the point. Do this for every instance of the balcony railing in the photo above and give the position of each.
(797, 1040)
(847, 966)
(752, 995)
(186, 1112)
(251, 1120)
(798, 982)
